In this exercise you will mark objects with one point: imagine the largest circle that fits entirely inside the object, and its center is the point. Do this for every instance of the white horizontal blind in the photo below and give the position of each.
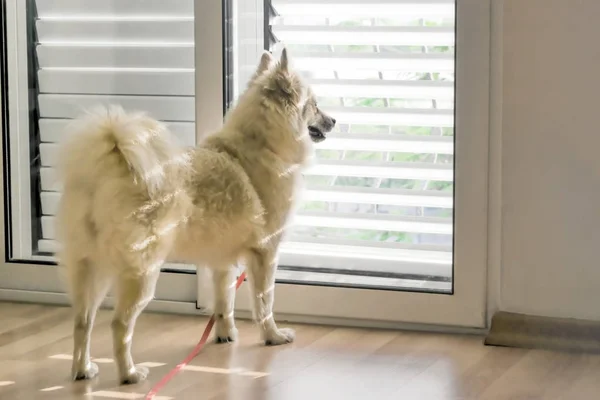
(139, 54)
(380, 198)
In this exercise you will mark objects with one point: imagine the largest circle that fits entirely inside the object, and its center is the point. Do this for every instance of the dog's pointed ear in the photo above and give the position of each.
(283, 61)
(265, 62)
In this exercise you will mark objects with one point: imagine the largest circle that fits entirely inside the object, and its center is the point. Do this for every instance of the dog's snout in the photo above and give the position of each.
(333, 121)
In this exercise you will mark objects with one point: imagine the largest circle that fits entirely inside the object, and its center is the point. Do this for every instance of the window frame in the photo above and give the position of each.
(184, 292)
(37, 278)
(466, 305)
(20, 208)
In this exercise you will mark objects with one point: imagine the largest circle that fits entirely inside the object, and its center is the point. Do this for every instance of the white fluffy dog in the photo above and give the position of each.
(133, 199)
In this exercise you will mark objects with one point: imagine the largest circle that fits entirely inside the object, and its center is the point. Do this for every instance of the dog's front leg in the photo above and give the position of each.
(224, 287)
(262, 266)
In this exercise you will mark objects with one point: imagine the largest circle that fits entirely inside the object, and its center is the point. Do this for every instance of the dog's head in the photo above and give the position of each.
(318, 122)
(294, 94)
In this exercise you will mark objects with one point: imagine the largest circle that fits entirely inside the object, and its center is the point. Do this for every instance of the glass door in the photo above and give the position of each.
(59, 59)
(393, 228)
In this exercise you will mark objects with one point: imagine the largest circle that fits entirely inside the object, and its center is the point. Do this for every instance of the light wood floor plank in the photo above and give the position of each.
(323, 363)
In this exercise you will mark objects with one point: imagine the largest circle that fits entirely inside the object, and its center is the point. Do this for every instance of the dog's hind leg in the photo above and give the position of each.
(87, 290)
(262, 266)
(224, 288)
(134, 292)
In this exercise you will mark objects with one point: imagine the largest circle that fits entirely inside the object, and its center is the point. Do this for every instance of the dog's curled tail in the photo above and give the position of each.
(100, 140)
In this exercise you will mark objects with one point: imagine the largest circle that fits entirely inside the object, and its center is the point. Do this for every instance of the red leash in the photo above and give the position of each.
(162, 383)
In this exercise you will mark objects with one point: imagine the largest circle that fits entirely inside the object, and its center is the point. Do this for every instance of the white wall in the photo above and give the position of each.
(550, 158)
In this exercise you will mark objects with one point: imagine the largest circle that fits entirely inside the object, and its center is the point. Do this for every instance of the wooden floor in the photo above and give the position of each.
(324, 363)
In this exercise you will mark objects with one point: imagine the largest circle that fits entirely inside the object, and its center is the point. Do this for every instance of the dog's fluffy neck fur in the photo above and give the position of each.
(252, 124)
(269, 140)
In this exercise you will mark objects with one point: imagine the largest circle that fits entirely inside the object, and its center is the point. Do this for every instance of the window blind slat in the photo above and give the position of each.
(365, 35)
(112, 9)
(390, 170)
(415, 255)
(116, 55)
(442, 226)
(391, 197)
(374, 222)
(389, 143)
(178, 30)
(427, 250)
(53, 131)
(400, 89)
(360, 8)
(354, 195)
(386, 170)
(310, 61)
(393, 116)
(123, 82)
(165, 108)
(49, 179)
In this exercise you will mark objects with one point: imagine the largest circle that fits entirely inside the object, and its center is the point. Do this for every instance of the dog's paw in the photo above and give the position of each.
(225, 332)
(86, 373)
(281, 336)
(227, 336)
(224, 339)
(138, 374)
